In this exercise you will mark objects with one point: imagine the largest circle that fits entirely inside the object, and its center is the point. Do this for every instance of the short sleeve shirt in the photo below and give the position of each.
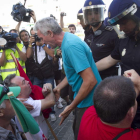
(91, 128)
(128, 52)
(77, 56)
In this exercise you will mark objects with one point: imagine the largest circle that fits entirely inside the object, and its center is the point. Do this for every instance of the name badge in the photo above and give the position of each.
(123, 52)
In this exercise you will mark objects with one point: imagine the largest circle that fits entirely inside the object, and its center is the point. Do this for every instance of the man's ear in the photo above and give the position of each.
(50, 33)
(1, 112)
(131, 112)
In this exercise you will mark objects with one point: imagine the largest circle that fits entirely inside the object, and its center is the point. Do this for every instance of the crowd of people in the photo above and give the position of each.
(83, 74)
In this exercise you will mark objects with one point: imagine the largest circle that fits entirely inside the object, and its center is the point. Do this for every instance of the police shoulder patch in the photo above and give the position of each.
(109, 28)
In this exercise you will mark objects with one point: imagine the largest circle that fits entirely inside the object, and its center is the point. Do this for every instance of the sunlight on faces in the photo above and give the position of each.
(24, 36)
(72, 30)
(47, 39)
(24, 85)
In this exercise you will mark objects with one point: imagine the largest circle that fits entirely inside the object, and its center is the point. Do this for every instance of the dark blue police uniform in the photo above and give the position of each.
(128, 51)
(103, 43)
(88, 35)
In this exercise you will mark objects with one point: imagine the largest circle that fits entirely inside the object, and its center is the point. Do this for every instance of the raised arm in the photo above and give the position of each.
(18, 26)
(33, 16)
(62, 14)
(135, 78)
(50, 52)
(49, 100)
(22, 55)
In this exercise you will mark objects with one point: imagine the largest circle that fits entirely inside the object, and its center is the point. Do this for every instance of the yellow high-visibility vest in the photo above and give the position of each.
(10, 67)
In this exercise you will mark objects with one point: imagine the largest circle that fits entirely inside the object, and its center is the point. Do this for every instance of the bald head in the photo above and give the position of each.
(113, 98)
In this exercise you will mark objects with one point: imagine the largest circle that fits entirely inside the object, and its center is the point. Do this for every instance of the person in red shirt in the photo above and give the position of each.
(114, 109)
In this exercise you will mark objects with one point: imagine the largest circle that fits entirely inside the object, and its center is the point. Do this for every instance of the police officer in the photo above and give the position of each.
(104, 37)
(87, 28)
(124, 17)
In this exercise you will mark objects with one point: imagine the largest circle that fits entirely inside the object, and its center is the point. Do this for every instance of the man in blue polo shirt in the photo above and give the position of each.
(79, 66)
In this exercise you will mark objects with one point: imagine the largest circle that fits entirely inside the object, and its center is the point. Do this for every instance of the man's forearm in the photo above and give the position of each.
(48, 102)
(106, 63)
(29, 52)
(22, 55)
(63, 83)
(61, 22)
(18, 26)
(84, 91)
(3, 59)
(50, 52)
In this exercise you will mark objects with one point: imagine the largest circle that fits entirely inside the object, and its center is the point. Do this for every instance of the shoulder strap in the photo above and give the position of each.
(120, 134)
(36, 54)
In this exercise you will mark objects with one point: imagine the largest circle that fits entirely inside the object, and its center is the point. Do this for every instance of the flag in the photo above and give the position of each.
(27, 122)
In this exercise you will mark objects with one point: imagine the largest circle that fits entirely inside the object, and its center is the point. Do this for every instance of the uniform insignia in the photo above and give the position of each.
(100, 45)
(90, 3)
(109, 14)
(123, 52)
(109, 28)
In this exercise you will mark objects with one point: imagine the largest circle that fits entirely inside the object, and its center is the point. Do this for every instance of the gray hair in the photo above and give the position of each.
(46, 24)
(7, 80)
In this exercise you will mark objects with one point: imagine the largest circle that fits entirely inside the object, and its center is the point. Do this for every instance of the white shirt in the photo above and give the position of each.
(60, 64)
(36, 113)
(41, 54)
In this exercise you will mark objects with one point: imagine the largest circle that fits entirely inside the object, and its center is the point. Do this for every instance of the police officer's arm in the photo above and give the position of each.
(22, 55)
(89, 81)
(106, 63)
(3, 59)
(49, 100)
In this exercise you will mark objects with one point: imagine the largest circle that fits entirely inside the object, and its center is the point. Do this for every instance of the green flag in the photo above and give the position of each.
(27, 122)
